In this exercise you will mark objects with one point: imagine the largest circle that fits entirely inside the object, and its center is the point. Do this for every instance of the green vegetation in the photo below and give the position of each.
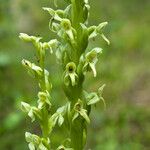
(76, 60)
(123, 66)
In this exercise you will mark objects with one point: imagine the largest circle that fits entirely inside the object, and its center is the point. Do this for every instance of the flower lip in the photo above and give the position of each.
(70, 69)
(78, 107)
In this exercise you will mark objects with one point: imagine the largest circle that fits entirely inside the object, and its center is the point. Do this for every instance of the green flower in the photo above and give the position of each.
(70, 32)
(94, 97)
(31, 111)
(58, 115)
(70, 74)
(35, 142)
(96, 30)
(91, 59)
(44, 99)
(80, 111)
(52, 44)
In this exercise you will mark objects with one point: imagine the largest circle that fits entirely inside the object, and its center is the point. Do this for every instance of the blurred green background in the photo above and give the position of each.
(123, 67)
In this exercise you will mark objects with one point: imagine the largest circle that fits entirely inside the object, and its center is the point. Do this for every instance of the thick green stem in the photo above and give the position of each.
(76, 134)
(74, 93)
(44, 122)
(77, 126)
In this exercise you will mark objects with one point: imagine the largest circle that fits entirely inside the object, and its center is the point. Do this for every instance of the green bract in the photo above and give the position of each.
(76, 60)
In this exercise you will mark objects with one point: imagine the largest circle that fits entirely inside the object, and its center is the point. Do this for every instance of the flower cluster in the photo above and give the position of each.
(77, 60)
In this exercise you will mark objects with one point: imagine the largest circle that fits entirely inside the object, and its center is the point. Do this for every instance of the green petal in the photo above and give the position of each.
(66, 80)
(83, 113)
(105, 39)
(31, 146)
(100, 90)
(92, 66)
(75, 116)
(60, 120)
(25, 107)
(92, 98)
(31, 115)
(101, 26)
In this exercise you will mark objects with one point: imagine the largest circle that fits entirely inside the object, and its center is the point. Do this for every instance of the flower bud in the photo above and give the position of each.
(25, 37)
